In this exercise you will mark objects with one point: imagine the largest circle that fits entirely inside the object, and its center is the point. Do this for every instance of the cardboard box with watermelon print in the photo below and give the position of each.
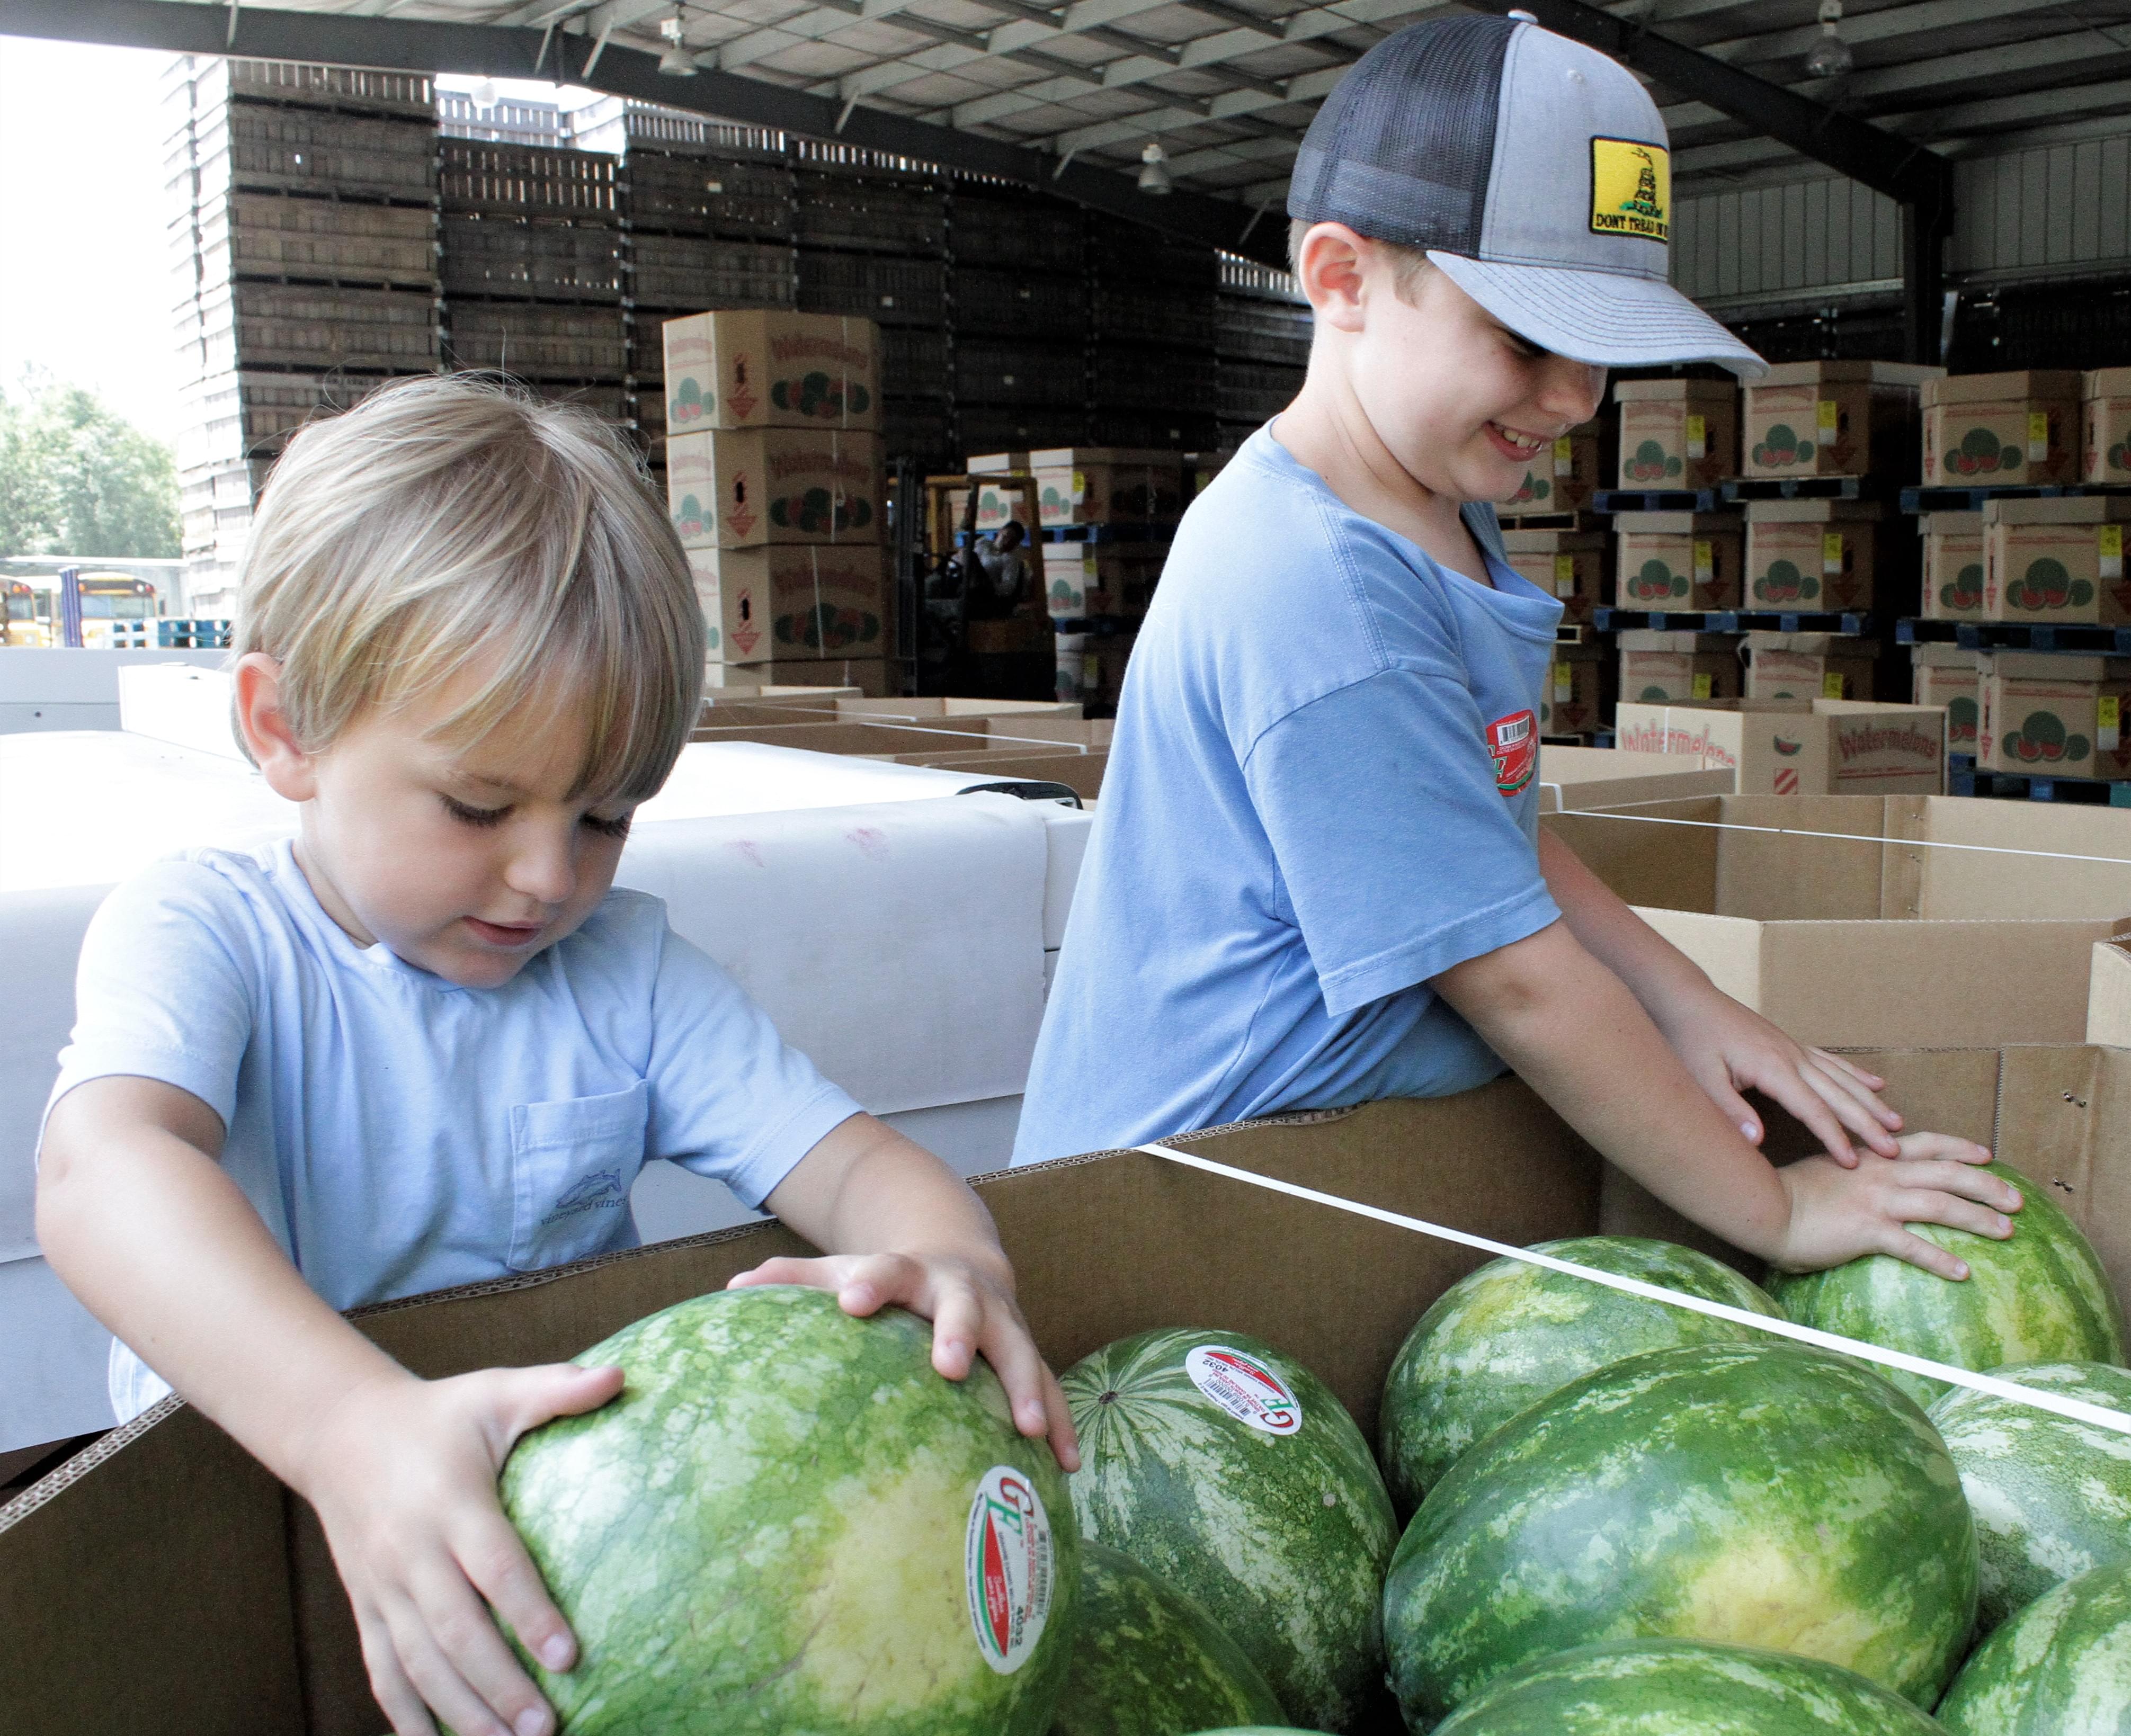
(1985, 428)
(1946, 675)
(792, 602)
(1810, 666)
(2051, 715)
(1677, 561)
(1811, 555)
(1678, 434)
(1953, 566)
(1571, 565)
(759, 367)
(1784, 747)
(1082, 580)
(2105, 425)
(1660, 667)
(1575, 698)
(743, 488)
(2057, 560)
(1833, 419)
(1562, 479)
(1107, 486)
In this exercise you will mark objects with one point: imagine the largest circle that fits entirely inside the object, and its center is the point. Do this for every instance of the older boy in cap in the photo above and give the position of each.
(1317, 876)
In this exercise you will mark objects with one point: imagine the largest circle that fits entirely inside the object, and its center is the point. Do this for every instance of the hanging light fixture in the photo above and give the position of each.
(1831, 57)
(676, 62)
(1154, 176)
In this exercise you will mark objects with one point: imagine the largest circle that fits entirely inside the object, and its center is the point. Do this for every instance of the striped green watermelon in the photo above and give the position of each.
(1683, 1687)
(1507, 1335)
(2040, 1296)
(1233, 1472)
(2051, 1497)
(1768, 1494)
(2060, 1667)
(1147, 1661)
(789, 1521)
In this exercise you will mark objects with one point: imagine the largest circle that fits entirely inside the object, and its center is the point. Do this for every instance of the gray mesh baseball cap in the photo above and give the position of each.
(1536, 173)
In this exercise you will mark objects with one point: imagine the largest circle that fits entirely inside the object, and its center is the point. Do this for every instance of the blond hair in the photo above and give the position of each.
(449, 523)
(1409, 265)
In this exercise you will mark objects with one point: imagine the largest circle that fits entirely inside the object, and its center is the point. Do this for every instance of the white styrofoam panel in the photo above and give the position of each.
(53, 1356)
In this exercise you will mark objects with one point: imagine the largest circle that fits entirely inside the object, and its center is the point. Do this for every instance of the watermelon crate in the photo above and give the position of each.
(1678, 561)
(2057, 560)
(1570, 565)
(2105, 425)
(1946, 675)
(764, 367)
(1833, 419)
(2001, 429)
(1676, 433)
(1953, 566)
(1818, 555)
(232, 1619)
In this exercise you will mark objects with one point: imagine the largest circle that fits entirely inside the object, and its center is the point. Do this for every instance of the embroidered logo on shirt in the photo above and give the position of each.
(1513, 742)
(601, 1191)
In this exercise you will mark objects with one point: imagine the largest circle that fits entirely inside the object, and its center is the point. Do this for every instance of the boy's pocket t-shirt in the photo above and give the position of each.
(400, 1134)
(1323, 791)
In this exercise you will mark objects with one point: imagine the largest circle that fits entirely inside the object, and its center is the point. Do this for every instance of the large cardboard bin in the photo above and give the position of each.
(162, 1582)
(1852, 919)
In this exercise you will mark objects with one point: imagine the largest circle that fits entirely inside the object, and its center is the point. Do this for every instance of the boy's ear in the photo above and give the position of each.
(1329, 268)
(263, 728)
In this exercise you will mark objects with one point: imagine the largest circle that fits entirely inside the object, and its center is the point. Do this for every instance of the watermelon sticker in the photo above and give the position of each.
(1245, 1387)
(1513, 744)
(1007, 1568)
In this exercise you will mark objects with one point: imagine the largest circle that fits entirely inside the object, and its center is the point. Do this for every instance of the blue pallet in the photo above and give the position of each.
(1970, 497)
(1655, 500)
(2069, 636)
(1797, 488)
(1733, 620)
(2019, 787)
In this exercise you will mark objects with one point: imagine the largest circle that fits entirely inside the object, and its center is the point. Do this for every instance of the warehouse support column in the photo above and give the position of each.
(1926, 224)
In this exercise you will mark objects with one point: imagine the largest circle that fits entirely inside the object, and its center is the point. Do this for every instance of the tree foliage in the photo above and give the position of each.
(78, 479)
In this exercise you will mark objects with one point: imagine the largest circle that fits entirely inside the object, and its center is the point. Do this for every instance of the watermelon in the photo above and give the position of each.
(2040, 1296)
(1148, 1662)
(788, 1521)
(2051, 1497)
(1504, 1336)
(1769, 1494)
(2062, 1667)
(1233, 1472)
(1686, 1686)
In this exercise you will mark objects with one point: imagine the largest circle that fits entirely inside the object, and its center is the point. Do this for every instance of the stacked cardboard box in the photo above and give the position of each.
(1677, 561)
(1562, 478)
(1781, 746)
(1577, 697)
(2047, 715)
(1953, 566)
(1946, 675)
(1573, 565)
(2056, 559)
(2000, 428)
(774, 483)
(2106, 423)
(1810, 666)
(1811, 555)
(1834, 419)
(1678, 434)
(1673, 668)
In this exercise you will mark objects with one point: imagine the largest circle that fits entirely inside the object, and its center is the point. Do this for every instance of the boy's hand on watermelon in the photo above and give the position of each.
(901, 1229)
(1840, 1214)
(402, 1473)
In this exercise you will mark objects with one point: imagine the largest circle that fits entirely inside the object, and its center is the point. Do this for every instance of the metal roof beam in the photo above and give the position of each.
(182, 27)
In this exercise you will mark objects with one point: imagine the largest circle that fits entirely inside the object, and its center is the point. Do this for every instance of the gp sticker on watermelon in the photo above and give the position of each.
(1008, 1568)
(1245, 1387)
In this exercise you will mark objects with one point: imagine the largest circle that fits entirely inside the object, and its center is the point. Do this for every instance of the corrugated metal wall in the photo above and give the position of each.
(2040, 209)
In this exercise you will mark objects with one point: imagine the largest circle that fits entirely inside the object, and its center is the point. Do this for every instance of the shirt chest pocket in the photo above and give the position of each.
(572, 1163)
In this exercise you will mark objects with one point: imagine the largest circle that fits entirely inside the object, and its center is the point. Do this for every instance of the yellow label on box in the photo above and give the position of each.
(1705, 561)
(1079, 486)
(1827, 418)
(2109, 540)
(1564, 683)
(2108, 719)
(1704, 685)
(1831, 684)
(2038, 435)
(1697, 436)
(1564, 457)
(1831, 552)
(1631, 189)
(1565, 576)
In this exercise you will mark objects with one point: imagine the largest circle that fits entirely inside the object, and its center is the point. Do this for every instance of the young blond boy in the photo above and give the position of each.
(1317, 876)
(428, 1042)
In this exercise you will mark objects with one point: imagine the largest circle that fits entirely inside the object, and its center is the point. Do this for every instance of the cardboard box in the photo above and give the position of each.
(1833, 419)
(2105, 425)
(878, 738)
(1575, 699)
(737, 490)
(2047, 715)
(761, 367)
(1810, 666)
(1609, 777)
(1081, 580)
(1107, 485)
(997, 464)
(1784, 747)
(1678, 434)
(1878, 930)
(2056, 559)
(1812, 554)
(1082, 773)
(1562, 479)
(1570, 565)
(2001, 427)
(865, 676)
(926, 708)
(1677, 560)
(792, 601)
(1946, 675)
(234, 1620)
(2109, 992)
(1658, 668)
(1953, 566)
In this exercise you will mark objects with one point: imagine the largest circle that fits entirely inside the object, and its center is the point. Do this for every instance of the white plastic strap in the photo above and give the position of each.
(2077, 1409)
(1791, 831)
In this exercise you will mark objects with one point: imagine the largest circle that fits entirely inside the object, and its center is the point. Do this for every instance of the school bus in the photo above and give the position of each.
(23, 626)
(116, 610)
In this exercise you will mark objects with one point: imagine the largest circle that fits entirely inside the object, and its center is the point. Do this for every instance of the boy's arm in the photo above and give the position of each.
(900, 1227)
(1571, 1028)
(135, 1215)
(1728, 1048)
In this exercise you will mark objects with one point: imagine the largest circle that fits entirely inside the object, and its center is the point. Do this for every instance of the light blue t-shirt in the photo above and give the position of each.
(400, 1134)
(1321, 794)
